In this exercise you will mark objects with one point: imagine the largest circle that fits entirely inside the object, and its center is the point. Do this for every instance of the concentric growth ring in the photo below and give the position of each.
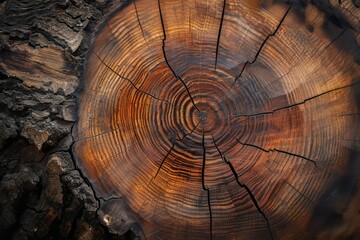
(214, 119)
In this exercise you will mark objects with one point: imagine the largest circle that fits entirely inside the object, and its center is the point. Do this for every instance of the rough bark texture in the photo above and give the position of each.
(43, 193)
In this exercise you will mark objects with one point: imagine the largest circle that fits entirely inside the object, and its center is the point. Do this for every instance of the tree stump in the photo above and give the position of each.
(196, 119)
(221, 119)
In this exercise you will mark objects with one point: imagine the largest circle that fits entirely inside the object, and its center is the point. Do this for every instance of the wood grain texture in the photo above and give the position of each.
(217, 119)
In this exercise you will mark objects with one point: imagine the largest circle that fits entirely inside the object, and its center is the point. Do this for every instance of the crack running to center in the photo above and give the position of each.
(167, 62)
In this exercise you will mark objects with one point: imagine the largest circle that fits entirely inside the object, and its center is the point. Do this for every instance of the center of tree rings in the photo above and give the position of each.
(214, 119)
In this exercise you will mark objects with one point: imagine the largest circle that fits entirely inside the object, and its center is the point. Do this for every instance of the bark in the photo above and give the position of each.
(56, 180)
(43, 195)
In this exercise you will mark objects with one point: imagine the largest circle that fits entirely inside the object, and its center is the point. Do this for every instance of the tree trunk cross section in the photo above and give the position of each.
(216, 119)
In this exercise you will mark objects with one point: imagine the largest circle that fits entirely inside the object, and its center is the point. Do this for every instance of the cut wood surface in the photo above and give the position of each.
(218, 119)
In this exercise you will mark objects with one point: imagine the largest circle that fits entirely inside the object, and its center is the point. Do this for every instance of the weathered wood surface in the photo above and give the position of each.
(271, 148)
(222, 119)
(42, 193)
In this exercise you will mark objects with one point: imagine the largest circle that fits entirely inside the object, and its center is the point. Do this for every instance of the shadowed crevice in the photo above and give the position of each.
(297, 104)
(138, 19)
(262, 46)
(295, 155)
(219, 34)
(244, 186)
(166, 156)
(203, 182)
(167, 62)
(129, 81)
(288, 153)
(187, 134)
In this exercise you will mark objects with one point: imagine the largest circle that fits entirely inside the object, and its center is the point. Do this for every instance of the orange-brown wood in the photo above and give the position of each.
(216, 119)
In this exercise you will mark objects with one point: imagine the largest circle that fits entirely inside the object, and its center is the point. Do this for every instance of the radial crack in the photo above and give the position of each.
(219, 33)
(295, 155)
(107, 132)
(162, 162)
(250, 145)
(187, 134)
(301, 194)
(315, 53)
(210, 213)
(262, 46)
(128, 80)
(296, 104)
(289, 153)
(167, 62)
(287, 183)
(203, 165)
(257, 207)
(274, 150)
(203, 182)
(138, 19)
(244, 186)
